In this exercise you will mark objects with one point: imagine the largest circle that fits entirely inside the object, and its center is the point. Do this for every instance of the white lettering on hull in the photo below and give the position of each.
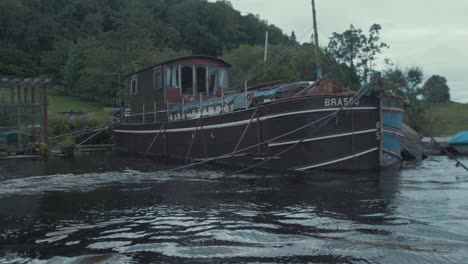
(333, 102)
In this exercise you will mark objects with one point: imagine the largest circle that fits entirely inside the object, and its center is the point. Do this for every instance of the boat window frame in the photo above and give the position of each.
(225, 70)
(181, 66)
(215, 90)
(169, 76)
(205, 67)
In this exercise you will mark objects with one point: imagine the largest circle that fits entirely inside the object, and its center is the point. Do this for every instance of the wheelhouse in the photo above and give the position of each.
(178, 80)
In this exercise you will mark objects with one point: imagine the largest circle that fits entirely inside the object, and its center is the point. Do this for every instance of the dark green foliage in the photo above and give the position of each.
(79, 42)
(409, 81)
(436, 90)
(357, 49)
(286, 63)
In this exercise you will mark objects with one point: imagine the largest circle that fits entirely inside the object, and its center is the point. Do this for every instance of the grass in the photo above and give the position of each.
(61, 103)
(95, 110)
(447, 119)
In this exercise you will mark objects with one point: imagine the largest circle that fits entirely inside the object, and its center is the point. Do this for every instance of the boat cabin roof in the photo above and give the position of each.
(192, 60)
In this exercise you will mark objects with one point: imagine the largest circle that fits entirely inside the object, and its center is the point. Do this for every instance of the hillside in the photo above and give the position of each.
(447, 119)
(79, 42)
(85, 45)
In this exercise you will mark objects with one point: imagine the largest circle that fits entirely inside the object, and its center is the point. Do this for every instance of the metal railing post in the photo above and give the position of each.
(201, 108)
(183, 107)
(222, 100)
(155, 113)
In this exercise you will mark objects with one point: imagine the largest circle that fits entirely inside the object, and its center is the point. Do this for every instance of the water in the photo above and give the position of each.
(105, 209)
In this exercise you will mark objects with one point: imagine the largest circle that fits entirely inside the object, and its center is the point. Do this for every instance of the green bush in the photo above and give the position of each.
(61, 125)
(68, 142)
(40, 148)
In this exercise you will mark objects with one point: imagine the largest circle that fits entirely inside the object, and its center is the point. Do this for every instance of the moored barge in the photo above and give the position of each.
(184, 109)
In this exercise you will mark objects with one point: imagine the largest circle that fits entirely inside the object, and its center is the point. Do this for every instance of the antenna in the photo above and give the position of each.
(317, 48)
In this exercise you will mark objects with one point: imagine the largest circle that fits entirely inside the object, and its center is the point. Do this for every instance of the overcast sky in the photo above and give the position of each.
(426, 33)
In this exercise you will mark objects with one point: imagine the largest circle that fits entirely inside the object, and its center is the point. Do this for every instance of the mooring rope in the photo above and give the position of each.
(279, 153)
(353, 100)
(245, 130)
(193, 138)
(154, 139)
(95, 134)
(450, 155)
(76, 133)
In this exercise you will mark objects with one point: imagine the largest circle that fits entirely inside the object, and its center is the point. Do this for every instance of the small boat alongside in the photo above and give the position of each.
(460, 142)
(185, 109)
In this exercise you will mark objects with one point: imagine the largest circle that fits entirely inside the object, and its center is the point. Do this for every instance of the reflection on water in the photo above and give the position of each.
(127, 210)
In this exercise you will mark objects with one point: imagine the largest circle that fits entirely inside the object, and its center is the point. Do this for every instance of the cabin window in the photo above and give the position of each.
(187, 80)
(133, 86)
(213, 81)
(157, 79)
(172, 76)
(223, 78)
(201, 80)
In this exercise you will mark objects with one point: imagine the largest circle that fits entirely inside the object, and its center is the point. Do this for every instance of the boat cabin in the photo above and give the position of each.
(177, 80)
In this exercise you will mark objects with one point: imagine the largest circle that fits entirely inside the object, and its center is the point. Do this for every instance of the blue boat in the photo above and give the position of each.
(460, 142)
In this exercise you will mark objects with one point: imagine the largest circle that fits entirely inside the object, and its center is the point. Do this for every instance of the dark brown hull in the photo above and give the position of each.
(350, 141)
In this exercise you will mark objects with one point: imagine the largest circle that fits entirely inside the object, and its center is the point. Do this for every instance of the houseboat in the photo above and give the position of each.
(185, 109)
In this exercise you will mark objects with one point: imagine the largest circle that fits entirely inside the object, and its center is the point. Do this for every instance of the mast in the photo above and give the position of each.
(317, 48)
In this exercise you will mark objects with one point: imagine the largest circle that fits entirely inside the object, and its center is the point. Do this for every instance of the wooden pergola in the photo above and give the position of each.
(27, 96)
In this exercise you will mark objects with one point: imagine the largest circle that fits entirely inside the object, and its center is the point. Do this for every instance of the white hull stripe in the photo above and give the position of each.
(242, 122)
(392, 109)
(321, 138)
(393, 133)
(392, 153)
(337, 160)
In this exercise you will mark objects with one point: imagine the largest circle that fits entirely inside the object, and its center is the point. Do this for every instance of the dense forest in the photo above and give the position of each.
(83, 44)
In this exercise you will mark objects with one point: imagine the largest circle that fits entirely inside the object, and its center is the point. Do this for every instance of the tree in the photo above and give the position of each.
(410, 81)
(436, 90)
(357, 49)
(296, 64)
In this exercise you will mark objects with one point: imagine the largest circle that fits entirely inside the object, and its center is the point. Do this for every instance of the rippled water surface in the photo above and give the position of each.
(106, 209)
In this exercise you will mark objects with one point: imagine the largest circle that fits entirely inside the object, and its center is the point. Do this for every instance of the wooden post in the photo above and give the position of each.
(12, 95)
(18, 95)
(143, 113)
(33, 112)
(18, 88)
(33, 95)
(45, 135)
(25, 95)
